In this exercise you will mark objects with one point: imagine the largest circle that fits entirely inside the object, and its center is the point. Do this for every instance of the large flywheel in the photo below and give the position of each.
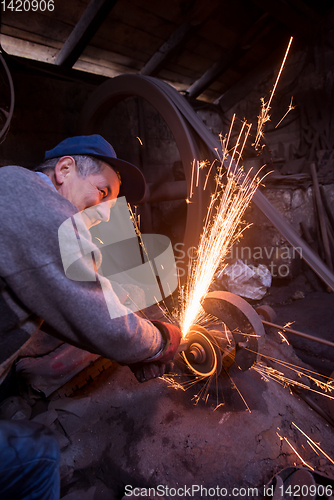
(167, 101)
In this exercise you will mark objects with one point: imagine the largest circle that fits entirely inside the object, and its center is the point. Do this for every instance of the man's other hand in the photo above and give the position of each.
(161, 362)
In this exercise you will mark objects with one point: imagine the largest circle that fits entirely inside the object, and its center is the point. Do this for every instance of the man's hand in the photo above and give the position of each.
(161, 363)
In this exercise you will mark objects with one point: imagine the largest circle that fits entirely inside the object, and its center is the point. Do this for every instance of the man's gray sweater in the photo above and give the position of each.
(34, 288)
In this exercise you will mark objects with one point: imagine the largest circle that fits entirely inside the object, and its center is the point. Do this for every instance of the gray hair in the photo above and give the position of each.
(86, 165)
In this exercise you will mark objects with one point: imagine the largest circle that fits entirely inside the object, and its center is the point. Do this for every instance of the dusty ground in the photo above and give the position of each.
(151, 434)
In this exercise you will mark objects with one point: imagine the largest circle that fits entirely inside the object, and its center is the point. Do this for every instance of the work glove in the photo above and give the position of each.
(161, 362)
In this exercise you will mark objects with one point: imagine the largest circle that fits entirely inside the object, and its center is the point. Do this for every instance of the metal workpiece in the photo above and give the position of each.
(299, 334)
(268, 316)
(243, 322)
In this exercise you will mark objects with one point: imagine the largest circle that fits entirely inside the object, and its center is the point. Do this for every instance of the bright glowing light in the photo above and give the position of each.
(309, 441)
(298, 455)
(269, 373)
(290, 108)
(284, 339)
(234, 190)
(233, 193)
(265, 106)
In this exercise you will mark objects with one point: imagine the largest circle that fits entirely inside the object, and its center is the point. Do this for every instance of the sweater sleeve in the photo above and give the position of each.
(31, 264)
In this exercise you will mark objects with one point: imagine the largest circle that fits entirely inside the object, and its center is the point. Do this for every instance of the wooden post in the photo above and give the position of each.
(322, 216)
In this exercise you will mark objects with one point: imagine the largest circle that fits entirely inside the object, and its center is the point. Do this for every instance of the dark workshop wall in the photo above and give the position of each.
(47, 106)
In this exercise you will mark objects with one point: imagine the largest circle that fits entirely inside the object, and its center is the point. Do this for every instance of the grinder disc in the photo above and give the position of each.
(202, 356)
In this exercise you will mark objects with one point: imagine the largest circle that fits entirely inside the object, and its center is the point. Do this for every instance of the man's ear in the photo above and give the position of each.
(63, 169)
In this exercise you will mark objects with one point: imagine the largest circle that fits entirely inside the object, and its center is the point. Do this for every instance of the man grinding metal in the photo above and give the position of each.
(79, 173)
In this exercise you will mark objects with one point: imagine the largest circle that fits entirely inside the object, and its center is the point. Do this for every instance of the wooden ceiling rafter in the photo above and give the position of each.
(200, 13)
(83, 32)
(298, 12)
(201, 47)
(250, 80)
(167, 49)
(216, 70)
(254, 33)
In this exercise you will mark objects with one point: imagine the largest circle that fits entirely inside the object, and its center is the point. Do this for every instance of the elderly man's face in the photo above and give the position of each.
(96, 190)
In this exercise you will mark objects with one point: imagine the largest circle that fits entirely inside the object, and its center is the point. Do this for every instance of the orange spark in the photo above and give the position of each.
(315, 444)
(290, 108)
(208, 175)
(197, 174)
(296, 452)
(265, 108)
(284, 339)
(269, 373)
(233, 192)
(192, 180)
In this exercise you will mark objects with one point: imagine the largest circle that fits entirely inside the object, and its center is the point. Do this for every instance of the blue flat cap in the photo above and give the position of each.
(133, 184)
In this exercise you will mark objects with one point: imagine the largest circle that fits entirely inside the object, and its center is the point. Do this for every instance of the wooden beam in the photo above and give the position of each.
(200, 12)
(321, 217)
(254, 33)
(250, 80)
(217, 69)
(83, 32)
(167, 49)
